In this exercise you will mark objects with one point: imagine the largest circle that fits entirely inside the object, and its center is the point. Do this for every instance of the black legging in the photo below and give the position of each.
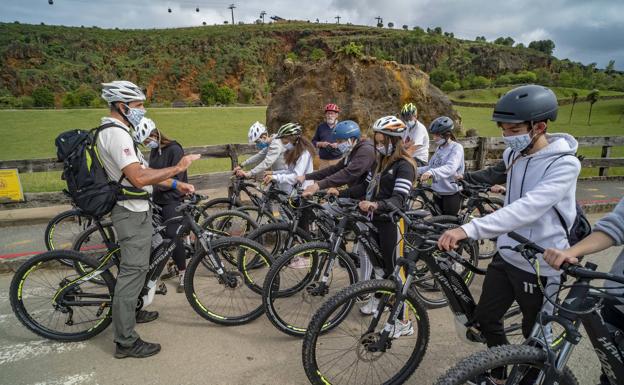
(387, 240)
(450, 204)
(179, 254)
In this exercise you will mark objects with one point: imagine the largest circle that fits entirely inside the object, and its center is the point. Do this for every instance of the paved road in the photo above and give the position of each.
(196, 351)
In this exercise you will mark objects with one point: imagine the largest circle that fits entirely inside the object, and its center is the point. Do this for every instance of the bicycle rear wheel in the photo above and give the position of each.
(91, 244)
(48, 299)
(347, 353)
(63, 229)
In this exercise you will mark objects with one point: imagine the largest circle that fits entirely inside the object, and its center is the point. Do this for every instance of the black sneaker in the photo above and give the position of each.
(144, 316)
(140, 349)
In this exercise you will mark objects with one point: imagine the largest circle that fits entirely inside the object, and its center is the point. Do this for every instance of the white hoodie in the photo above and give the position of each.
(532, 192)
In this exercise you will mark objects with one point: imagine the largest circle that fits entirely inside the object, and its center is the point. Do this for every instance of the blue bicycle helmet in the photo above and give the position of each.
(346, 129)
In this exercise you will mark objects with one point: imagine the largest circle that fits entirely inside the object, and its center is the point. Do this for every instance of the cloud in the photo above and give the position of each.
(585, 31)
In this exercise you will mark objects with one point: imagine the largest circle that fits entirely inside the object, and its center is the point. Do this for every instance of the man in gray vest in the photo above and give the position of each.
(132, 219)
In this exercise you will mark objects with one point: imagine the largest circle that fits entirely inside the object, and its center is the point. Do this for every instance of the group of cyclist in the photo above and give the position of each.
(539, 170)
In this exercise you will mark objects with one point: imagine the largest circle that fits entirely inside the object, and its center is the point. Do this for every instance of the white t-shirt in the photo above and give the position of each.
(116, 149)
(419, 136)
(288, 178)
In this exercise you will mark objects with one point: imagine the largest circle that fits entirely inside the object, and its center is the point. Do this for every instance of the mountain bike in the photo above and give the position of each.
(388, 346)
(56, 302)
(535, 362)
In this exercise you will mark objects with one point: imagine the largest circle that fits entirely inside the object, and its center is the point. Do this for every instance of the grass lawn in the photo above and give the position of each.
(31, 133)
(491, 95)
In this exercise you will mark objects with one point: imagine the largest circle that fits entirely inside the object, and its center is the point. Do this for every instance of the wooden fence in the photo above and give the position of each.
(480, 152)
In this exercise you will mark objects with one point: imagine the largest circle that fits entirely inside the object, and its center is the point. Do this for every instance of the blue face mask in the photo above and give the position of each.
(517, 142)
(152, 144)
(134, 115)
(262, 145)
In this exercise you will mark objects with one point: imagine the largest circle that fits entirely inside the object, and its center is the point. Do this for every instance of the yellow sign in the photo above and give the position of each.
(10, 186)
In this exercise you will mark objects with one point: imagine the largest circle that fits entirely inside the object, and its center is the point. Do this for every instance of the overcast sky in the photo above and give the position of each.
(583, 30)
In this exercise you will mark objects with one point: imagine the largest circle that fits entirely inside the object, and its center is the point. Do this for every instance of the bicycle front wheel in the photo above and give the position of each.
(48, 299)
(353, 351)
(232, 297)
(517, 364)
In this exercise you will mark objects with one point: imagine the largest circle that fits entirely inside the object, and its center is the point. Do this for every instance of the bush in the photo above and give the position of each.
(43, 97)
(292, 56)
(25, 102)
(208, 93)
(480, 82)
(352, 49)
(225, 95)
(449, 86)
(317, 54)
(439, 75)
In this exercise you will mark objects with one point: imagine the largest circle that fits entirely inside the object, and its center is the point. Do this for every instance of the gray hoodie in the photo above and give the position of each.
(613, 226)
(445, 165)
(534, 186)
(271, 157)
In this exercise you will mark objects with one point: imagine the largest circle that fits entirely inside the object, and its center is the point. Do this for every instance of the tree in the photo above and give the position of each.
(449, 86)
(610, 67)
(508, 41)
(43, 97)
(574, 99)
(225, 95)
(520, 45)
(418, 29)
(405, 27)
(546, 46)
(592, 98)
(437, 30)
(439, 75)
(379, 25)
(390, 25)
(480, 38)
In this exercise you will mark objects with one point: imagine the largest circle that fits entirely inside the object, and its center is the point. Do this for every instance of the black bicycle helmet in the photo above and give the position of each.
(530, 103)
(441, 125)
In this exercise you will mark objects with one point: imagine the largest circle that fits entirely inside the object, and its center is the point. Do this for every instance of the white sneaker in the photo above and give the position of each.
(402, 329)
(370, 307)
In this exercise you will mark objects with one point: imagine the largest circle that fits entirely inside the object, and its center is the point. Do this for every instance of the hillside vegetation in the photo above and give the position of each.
(63, 66)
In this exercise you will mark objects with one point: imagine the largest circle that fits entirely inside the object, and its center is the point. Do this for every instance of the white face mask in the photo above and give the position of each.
(440, 141)
(411, 124)
(289, 146)
(152, 144)
(385, 151)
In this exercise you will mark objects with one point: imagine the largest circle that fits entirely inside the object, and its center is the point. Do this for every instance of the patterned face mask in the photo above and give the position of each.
(385, 151)
(345, 147)
(134, 115)
(517, 142)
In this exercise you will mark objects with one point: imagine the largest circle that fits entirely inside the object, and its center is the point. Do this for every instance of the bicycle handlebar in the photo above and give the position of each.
(574, 270)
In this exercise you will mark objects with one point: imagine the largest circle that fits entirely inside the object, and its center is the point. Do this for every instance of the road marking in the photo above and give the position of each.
(18, 352)
(18, 243)
(599, 196)
(591, 189)
(75, 379)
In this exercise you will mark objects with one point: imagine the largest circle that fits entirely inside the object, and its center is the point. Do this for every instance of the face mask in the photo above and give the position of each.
(152, 144)
(440, 141)
(289, 146)
(385, 151)
(517, 142)
(262, 145)
(134, 115)
(344, 147)
(411, 124)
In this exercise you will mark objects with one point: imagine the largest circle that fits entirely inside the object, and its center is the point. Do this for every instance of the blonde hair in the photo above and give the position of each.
(399, 152)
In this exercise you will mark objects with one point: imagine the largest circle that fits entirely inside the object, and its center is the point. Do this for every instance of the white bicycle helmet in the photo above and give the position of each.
(255, 132)
(121, 91)
(143, 130)
(390, 125)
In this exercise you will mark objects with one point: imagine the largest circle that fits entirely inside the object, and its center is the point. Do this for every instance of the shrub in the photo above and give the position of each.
(208, 93)
(449, 86)
(43, 97)
(225, 95)
(352, 49)
(292, 56)
(317, 54)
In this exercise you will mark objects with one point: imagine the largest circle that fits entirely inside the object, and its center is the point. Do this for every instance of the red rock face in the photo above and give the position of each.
(365, 89)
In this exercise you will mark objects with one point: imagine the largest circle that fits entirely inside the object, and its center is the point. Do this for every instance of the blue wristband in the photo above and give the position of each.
(174, 184)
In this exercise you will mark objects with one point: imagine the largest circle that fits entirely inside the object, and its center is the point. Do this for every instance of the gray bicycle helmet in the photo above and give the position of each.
(441, 125)
(530, 103)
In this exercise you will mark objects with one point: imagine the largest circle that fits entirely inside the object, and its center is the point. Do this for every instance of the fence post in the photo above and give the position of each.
(481, 153)
(233, 154)
(606, 153)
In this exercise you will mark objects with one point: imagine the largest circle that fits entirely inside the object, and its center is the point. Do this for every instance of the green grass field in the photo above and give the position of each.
(31, 133)
(491, 95)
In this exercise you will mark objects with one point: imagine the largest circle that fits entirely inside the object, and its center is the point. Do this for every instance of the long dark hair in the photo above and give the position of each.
(301, 144)
(399, 152)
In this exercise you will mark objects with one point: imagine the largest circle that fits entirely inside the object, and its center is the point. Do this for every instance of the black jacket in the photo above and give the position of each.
(169, 156)
(355, 168)
(393, 185)
(496, 174)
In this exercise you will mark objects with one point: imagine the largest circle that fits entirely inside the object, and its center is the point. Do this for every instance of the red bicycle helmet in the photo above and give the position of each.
(332, 107)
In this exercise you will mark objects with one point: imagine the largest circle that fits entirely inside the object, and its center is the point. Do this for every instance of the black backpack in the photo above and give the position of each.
(581, 226)
(88, 185)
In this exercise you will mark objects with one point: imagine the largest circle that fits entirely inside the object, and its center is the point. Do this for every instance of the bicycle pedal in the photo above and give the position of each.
(162, 289)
